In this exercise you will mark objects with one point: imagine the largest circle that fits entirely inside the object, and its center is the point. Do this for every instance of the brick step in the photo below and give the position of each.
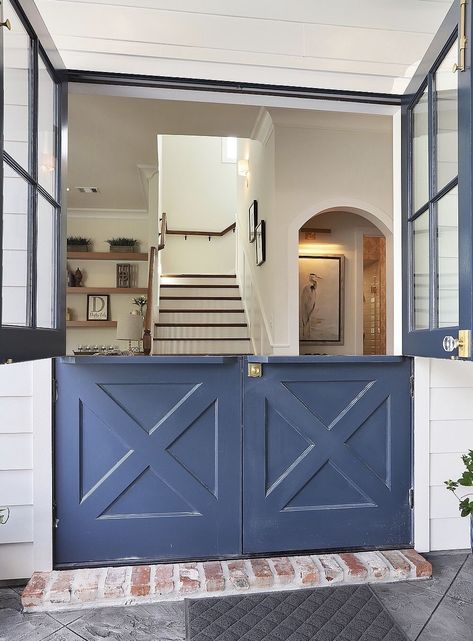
(126, 585)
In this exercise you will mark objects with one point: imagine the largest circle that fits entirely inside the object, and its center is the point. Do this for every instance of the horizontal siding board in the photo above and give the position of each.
(449, 534)
(19, 527)
(443, 504)
(451, 404)
(16, 487)
(16, 452)
(16, 561)
(16, 379)
(16, 413)
(451, 436)
(443, 467)
(445, 373)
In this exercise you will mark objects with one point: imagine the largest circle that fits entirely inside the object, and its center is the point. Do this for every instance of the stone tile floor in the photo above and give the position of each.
(440, 609)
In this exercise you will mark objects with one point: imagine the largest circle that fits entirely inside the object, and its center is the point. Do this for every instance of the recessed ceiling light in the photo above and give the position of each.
(88, 190)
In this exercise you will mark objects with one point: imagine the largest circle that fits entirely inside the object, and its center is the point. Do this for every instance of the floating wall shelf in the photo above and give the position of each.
(95, 324)
(107, 290)
(117, 256)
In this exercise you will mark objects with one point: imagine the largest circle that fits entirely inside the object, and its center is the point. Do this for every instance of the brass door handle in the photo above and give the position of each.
(6, 24)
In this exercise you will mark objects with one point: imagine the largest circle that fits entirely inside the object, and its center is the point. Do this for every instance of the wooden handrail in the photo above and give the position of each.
(184, 232)
(147, 341)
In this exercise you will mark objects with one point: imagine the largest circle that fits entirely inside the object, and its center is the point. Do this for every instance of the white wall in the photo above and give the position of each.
(25, 468)
(443, 432)
(198, 192)
(319, 161)
(346, 238)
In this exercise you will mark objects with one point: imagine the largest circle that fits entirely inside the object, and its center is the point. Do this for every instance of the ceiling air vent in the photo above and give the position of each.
(88, 190)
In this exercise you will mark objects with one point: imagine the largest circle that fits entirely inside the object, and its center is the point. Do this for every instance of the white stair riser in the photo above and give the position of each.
(183, 303)
(169, 280)
(202, 347)
(201, 332)
(202, 317)
(185, 292)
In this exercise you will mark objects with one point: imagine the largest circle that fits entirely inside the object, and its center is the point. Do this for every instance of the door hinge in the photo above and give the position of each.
(411, 386)
(255, 370)
(55, 519)
(54, 390)
(411, 498)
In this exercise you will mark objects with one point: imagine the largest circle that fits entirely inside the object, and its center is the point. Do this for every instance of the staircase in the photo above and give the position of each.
(201, 314)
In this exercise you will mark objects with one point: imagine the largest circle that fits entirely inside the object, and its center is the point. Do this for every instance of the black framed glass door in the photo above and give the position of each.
(32, 319)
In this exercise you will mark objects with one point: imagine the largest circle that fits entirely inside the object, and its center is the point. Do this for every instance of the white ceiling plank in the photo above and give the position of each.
(423, 16)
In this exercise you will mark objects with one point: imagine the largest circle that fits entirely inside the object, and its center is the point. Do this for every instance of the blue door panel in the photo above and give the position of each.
(148, 461)
(327, 455)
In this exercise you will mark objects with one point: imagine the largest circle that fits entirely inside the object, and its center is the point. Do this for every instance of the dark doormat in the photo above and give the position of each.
(350, 613)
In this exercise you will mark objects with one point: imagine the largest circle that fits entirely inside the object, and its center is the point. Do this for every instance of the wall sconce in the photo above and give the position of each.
(244, 169)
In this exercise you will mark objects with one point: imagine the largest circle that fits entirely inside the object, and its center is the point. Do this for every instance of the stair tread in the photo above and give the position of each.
(198, 276)
(200, 325)
(193, 338)
(201, 311)
(201, 298)
(197, 286)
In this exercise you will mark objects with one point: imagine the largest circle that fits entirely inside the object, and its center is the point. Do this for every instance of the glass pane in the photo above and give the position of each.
(420, 153)
(447, 281)
(16, 98)
(446, 119)
(46, 264)
(15, 249)
(421, 256)
(46, 130)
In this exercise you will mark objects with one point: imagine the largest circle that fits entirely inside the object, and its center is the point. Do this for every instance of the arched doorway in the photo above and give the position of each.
(344, 273)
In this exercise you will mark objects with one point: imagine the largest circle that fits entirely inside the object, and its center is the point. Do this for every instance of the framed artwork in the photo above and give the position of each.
(260, 234)
(321, 299)
(123, 275)
(252, 220)
(98, 307)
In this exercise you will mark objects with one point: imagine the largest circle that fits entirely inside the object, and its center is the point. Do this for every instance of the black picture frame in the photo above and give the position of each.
(252, 220)
(98, 314)
(260, 235)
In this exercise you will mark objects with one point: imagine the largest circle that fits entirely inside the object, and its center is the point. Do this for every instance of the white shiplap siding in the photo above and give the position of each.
(451, 435)
(25, 404)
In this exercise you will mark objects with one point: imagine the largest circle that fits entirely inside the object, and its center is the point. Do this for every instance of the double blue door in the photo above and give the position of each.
(186, 458)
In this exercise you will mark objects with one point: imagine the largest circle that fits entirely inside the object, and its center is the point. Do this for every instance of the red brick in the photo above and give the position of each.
(332, 571)
(85, 585)
(422, 566)
(306, 570)
(238, 575)
(34, 592)
(263, 577)
(377, 567)
(140, 580)
(163, 579)
(115, 580)
(189, 578)
(60, 591)
(401, 567)
(356, 569)
(284, 570)
(214, 579)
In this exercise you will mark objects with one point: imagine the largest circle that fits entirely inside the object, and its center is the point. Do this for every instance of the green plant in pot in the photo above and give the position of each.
(123, 244)
(78, 244)
(466, 480)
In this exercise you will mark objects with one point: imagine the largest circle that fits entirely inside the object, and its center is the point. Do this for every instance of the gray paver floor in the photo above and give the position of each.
(434, 610)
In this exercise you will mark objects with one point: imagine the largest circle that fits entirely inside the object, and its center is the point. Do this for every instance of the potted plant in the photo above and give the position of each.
(123, 244)
(78, 244)
(466, 480)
